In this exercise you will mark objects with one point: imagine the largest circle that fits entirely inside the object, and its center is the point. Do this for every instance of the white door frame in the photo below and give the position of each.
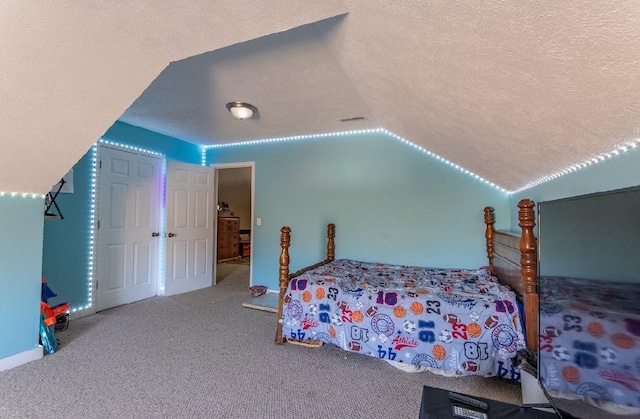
(237, 165)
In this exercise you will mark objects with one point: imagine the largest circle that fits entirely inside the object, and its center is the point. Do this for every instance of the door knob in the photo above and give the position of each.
(154, 234)
(172, 234)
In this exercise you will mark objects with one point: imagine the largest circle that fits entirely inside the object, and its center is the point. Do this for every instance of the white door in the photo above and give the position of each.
(128, 215)
(189, 227)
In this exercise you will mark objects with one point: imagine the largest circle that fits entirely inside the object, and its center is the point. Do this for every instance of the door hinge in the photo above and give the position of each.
(100, 164)
(97, 282)
(98, 224)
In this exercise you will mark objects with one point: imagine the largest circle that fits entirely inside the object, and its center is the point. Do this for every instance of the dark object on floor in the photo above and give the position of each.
(62, 322)
(257, 290)
(436, 403)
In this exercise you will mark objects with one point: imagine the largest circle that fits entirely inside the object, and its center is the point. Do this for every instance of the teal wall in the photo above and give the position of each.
(65, 258)
(390, 203)
(21, 224)
(65, 246)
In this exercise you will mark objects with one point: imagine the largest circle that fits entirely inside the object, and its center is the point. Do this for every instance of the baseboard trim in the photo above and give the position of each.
(21, 358)
(78, 314)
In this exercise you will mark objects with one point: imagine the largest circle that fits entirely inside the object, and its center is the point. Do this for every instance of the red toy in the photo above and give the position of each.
(51, 318)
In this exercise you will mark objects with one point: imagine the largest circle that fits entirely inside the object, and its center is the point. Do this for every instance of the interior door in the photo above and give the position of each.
(128, 215)
(189, 227)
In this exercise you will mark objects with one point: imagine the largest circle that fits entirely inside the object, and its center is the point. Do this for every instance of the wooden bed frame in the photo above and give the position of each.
(512, 258)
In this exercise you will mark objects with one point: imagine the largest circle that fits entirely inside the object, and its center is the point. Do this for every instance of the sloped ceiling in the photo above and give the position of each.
(70, 69)
(510, 90)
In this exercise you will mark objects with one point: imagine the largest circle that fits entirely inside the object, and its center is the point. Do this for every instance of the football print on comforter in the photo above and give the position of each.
(454, 321)
(590, 339)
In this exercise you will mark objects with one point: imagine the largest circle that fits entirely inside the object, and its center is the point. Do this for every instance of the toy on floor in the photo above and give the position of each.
(51, 319)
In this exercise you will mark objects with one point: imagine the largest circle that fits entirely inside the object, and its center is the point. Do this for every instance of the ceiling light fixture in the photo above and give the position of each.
(242, 110)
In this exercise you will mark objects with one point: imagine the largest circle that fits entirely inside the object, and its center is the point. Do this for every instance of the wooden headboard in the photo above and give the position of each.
(513, 259)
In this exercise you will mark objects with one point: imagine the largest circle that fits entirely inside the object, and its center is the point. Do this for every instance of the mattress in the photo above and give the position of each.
(451, 321)
(590, 340)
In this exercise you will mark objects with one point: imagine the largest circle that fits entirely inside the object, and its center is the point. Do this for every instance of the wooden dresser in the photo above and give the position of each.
(228, 238)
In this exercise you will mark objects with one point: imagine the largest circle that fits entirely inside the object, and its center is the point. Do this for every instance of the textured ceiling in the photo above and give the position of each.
(70, 69)
(291, 77)
(510, 90)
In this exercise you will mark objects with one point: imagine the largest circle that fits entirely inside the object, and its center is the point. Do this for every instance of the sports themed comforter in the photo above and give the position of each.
(590, 339)
(452, 321)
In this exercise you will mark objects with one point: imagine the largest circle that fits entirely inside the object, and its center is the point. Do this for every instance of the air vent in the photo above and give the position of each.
(355, 118)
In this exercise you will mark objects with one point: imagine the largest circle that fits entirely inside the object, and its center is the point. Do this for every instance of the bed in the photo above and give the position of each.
(590, 335)
(449, 321)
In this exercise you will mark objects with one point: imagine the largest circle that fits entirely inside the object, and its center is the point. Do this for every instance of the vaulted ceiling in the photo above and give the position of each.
(511, 91)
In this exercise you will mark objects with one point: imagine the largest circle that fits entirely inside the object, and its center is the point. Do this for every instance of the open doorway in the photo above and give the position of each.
(234, 224)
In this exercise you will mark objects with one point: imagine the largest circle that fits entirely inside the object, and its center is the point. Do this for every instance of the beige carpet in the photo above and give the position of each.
(202, 355)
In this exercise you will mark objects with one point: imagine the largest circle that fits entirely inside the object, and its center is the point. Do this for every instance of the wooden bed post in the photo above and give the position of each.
(529, 270)
(489, 219)
(331, 245)
(285, 241)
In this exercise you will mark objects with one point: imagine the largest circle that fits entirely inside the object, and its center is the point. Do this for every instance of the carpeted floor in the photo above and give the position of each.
(203, 355)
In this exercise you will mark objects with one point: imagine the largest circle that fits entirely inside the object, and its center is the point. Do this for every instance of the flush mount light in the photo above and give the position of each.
(241, 110)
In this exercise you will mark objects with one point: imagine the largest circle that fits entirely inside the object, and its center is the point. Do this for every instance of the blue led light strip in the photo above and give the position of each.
(203, 158)
(130, 148)
(163, 241)
(21, 195)
(442, 159)
(342, 133)
(284, 139)
(295, 138)
(92, 230)
(617, 151)
(620, 149)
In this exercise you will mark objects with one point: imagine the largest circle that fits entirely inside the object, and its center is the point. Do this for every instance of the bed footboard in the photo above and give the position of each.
(513, 259)
(284, 276)
(529, 269)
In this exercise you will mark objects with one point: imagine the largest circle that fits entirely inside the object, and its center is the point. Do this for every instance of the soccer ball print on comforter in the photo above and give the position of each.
(451, 321)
